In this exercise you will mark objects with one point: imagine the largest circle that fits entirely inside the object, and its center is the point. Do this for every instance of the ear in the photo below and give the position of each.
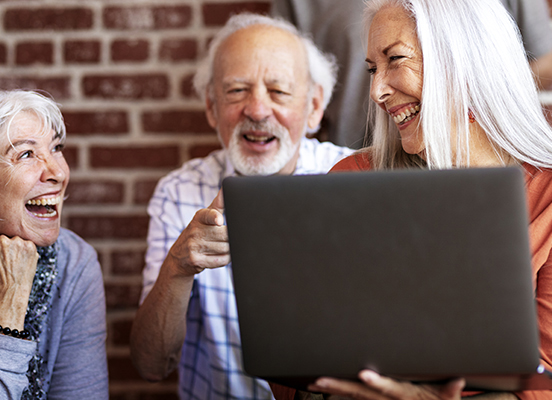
(210, 110)
(316, 107)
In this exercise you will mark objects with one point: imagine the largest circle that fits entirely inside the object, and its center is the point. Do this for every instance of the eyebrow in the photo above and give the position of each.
(386, 49)
(13, 145)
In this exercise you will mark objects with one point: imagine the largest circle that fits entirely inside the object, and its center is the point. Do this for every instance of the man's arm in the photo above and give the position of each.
(159, 328)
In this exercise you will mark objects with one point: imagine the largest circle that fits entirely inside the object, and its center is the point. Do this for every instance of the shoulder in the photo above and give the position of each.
(359, 161)
(76, 258)
(319, 157)
(199, 170)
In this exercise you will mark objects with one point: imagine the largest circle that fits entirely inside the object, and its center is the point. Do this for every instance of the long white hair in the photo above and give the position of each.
(322, 66)
(473, 60)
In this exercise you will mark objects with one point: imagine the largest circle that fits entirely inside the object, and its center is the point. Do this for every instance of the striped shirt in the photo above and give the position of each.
(211, 363)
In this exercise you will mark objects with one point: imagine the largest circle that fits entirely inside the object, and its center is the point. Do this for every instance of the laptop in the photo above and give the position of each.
(418, 275)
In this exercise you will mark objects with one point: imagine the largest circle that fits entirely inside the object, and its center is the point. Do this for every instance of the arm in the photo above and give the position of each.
(18, 260)
(159, 328)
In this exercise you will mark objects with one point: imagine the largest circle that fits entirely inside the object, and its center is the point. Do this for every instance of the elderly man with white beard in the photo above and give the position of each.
(264, 85)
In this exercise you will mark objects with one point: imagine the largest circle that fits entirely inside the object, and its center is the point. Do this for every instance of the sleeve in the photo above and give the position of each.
(15, 355)
(533, 20)
(80, 370)
(165, 226)
(355, 162)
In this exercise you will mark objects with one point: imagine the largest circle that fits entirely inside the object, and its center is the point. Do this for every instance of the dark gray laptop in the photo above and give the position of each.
(420, 275)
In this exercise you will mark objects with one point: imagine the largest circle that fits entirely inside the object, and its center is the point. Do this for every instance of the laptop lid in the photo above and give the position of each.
(421, 275)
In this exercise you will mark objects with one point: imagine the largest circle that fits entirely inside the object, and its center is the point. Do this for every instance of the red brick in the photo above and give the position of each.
(143, 18)
(178, 50)
(82, 51)
(27, 53)
(3, 53)
(71, 155)
(96, 122)
(187, 86)
(58, 87)
(129, 50)
(146, 86)
(95, 192)
(143, 190)
(135, 157)
(203, 150)
(75, 18)
(122, 295)
(119, 332)
(127, 262)
(175, 121)
(109, 226)
(216, 14)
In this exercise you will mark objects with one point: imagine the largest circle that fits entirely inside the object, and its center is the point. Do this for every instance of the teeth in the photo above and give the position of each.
(52, 201)
(50, 214)
(402, 117)
(257, 138)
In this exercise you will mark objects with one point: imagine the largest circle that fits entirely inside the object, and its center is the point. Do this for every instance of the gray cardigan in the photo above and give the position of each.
(73, 344)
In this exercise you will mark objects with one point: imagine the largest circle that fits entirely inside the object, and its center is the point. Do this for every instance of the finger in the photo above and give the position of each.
(218, 202)
(345, 388)
(453, 389)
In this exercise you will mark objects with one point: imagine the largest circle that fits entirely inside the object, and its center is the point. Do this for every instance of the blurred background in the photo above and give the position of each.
(121, 70)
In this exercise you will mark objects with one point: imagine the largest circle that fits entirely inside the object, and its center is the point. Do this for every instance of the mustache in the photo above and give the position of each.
(269, 127)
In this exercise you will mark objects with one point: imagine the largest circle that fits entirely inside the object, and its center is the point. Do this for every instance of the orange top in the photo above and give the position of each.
(539, 202)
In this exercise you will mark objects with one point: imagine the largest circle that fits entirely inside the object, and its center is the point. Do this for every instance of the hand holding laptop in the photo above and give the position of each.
(375, 386)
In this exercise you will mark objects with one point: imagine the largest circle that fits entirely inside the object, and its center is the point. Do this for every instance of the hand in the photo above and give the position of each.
(377, 387)
(204, 242)
(18, 260)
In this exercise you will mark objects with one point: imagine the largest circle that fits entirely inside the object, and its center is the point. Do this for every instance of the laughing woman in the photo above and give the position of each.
(52, 305)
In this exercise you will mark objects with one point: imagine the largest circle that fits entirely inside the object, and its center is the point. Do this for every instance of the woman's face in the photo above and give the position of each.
(33, 179)
(395, 60)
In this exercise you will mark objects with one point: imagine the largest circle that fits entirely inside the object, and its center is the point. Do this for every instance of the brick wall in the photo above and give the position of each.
(122, 73)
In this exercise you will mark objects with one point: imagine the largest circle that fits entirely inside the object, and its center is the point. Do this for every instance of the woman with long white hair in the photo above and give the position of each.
(452, 88)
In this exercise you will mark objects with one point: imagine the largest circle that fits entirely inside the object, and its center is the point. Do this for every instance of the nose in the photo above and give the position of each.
(380, 90)
(55, 168)
(258, 106)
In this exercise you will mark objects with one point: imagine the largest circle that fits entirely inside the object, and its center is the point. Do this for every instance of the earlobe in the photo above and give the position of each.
(316, 107)
(210, 110)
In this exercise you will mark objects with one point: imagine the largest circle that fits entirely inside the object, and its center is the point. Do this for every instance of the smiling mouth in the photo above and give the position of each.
(259, 139)
(43, 208)
(407, 115)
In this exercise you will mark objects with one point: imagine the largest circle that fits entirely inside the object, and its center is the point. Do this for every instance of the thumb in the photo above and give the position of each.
(218, 203)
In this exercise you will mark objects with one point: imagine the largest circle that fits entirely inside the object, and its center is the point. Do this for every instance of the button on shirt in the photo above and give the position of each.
(211, 363)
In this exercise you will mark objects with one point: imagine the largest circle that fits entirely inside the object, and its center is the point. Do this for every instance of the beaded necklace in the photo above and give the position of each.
(37, 311)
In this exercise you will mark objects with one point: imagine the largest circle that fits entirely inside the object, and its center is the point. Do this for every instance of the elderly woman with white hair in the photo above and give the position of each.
(451, 88)
(52, 304)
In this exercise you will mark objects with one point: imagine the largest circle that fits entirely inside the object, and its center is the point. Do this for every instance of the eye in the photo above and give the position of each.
(371, 71)
(394, 58)
(25, 154)
(58, 148)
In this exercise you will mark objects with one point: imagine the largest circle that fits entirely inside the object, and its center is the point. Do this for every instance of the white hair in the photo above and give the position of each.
(473, 60)
(322, 67)
(12, 102)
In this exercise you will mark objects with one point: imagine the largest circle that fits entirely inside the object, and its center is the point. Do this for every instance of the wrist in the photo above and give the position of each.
(7, 331)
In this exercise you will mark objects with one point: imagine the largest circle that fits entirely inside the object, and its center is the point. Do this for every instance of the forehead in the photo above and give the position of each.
(261, 51)
(25, 125)
(391, 24)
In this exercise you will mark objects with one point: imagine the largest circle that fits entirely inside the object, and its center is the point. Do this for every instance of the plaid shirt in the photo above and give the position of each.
(211, 362)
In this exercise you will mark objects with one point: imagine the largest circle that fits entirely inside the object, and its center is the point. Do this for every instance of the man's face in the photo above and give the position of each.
(263, 99)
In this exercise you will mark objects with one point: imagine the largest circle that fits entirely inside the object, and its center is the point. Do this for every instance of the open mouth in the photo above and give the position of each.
(43, 208)
(407, 115)
(259, 139)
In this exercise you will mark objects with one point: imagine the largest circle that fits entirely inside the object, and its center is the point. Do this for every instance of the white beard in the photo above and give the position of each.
(262, 164)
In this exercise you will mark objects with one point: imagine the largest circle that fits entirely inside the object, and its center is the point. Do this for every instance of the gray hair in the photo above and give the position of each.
(322, 67)
(473, 59)
(12, 102)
